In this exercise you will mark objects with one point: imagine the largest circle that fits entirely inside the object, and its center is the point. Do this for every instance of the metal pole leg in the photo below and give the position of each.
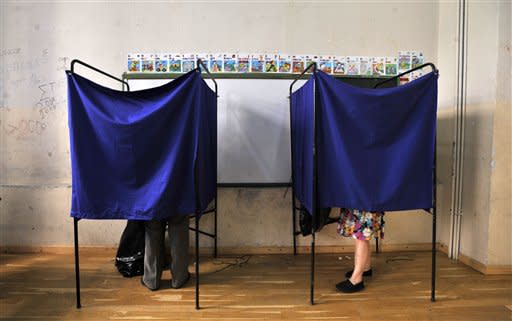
(77, 264)
(215, 230)
(312, 290)
(434, 217)
(197, 262)
(294, 224)
(433, 289)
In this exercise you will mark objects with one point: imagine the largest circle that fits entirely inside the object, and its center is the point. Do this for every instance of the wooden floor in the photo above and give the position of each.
(265, 287)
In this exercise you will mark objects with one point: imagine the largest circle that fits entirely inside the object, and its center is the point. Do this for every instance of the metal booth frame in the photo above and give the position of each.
(196, 216)
(433, 210)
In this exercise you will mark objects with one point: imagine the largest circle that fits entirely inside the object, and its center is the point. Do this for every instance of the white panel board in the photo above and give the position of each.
(253, 129)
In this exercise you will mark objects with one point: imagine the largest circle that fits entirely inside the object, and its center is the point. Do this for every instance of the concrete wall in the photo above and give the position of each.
(39, 40)
(447, 65)
(481, 100)
(500, 236)
(485, 230)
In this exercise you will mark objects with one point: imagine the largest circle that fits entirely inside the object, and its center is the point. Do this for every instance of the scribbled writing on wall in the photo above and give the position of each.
(10, 52)
(23, 65)
(26, 127)
(19, 70)
(46, 103)
(63, 63)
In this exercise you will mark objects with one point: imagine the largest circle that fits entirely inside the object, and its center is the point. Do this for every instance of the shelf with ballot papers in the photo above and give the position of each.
(357, 80)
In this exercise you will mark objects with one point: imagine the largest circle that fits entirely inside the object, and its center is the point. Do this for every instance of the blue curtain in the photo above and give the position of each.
(375, 146)
(133, 153)
(302, 142)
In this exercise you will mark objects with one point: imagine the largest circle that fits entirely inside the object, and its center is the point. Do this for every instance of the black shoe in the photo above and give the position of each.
(142, 282)
(348, 275)
(347, 286)
(181, 284)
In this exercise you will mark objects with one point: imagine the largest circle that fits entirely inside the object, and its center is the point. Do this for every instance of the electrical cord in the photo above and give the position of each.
(235, 261)
(399, 258)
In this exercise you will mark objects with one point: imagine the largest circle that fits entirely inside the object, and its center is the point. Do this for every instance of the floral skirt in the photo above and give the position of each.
(361, 225)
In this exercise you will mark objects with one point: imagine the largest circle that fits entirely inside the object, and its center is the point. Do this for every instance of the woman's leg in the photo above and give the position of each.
(361, 258)
(368, 264)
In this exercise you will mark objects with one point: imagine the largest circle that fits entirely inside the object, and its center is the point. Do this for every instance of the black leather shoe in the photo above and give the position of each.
(177, 286)
(347, 286)
(348, 275)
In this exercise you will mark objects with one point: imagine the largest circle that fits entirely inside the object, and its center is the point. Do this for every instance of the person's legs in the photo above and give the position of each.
(361, 259)
(153, 254)
(178, 238)
(356, 283)
(368, 262)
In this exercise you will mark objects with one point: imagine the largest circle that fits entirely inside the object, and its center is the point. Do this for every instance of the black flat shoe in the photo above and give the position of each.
(348, 275)
(347, 286)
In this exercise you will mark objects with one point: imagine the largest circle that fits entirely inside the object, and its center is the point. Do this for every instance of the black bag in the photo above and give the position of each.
(130, 254)
(306, 220)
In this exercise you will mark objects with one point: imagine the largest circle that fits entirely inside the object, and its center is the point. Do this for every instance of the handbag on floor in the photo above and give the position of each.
(130, 254)
(306, 220)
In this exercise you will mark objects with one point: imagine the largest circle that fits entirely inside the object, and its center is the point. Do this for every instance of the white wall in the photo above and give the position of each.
(38, 41)
(481, 101)
(486, 221)
(447, 64)
(500, 238)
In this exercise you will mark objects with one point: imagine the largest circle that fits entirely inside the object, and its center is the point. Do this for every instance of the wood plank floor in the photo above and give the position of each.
(266, 287)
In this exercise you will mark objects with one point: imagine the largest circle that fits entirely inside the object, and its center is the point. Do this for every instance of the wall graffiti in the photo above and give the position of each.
(47, 102)
(26, 127)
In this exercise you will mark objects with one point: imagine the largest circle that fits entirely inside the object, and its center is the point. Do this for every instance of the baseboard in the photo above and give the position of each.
(383, 247)
(443, 248)
(52, 249)
(260, 250)
(485, 269)
(479, 266)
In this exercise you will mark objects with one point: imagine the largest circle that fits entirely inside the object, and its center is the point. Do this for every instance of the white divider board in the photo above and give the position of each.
(253, 128)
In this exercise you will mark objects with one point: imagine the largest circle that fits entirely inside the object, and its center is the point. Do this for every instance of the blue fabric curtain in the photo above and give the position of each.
(302, 142)
(375, 146)
(133, 153)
